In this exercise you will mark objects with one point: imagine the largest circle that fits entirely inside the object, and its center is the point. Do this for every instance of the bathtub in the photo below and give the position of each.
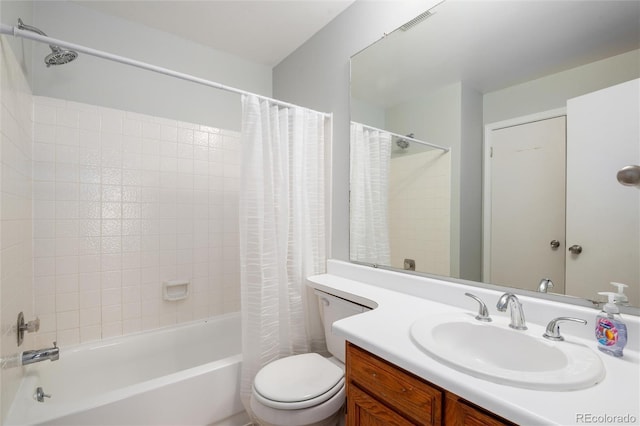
(183, 375)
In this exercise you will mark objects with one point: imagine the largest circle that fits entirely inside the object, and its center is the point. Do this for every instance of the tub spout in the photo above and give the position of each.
(51, 354)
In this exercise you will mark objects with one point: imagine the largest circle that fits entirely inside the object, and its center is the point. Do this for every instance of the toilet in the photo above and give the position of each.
(306, 389)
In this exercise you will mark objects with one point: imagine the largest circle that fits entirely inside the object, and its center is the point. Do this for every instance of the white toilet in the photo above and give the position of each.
(307, 389)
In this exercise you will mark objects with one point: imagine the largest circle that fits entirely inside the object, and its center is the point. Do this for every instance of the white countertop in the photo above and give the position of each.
(384, 331)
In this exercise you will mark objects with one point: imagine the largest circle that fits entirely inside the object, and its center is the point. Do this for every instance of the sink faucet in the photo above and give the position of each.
(511, 301)
(545, 285)
(51, 354)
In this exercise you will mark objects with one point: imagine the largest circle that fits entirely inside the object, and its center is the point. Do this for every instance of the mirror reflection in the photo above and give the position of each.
(486, 138)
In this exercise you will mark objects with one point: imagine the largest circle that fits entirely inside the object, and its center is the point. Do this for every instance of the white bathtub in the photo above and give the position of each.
(183, 375)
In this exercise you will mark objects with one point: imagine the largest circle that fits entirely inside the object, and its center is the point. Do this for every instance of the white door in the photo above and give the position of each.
(528, 204)
(603, 217)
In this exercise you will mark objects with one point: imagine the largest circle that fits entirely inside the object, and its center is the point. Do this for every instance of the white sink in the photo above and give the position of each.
(495, 352)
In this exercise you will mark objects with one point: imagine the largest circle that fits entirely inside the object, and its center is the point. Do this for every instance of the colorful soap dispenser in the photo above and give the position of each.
(611, 331)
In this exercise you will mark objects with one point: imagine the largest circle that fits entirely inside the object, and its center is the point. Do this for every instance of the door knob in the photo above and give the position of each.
(575, 249)
(554, 244)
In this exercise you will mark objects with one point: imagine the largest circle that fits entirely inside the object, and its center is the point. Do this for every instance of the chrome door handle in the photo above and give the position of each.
(575, 249)
(554, 244)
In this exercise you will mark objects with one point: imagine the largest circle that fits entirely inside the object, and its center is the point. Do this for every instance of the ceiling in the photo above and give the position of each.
(491, 45)
(262, 31)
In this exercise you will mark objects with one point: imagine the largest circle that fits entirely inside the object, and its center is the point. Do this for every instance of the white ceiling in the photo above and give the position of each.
(262, 31)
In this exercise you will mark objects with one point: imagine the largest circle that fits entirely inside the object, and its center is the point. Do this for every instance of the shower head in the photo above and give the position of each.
(402, 143)
(58, 55)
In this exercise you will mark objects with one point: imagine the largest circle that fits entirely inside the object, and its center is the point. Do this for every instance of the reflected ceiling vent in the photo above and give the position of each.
(415, 21)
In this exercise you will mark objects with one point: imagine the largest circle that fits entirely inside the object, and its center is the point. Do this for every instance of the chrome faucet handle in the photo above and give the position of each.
(553, 328)
(483, 312)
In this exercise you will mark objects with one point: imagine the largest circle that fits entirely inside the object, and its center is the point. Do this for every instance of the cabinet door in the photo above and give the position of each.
(363, 410)
(403, 392)
(458, 412)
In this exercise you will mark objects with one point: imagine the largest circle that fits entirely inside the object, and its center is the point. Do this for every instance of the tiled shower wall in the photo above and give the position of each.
(16, 250)
(122, 203)
(420, 211)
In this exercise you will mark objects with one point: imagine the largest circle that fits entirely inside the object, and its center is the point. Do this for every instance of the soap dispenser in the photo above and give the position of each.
(620, 298)
(611, 331)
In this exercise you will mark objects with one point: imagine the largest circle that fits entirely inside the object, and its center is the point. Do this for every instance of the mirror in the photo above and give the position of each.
(465, 77)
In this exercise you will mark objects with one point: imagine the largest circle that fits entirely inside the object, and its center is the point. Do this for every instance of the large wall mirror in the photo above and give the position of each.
(498, 142)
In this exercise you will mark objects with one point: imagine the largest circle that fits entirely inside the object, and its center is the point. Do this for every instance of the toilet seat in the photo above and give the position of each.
(298, 381)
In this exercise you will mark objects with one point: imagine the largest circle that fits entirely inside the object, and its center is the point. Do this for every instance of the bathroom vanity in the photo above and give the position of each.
(391, 379)
(379, 392)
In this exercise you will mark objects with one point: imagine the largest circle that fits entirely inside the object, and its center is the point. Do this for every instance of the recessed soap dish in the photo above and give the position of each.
(175, 290)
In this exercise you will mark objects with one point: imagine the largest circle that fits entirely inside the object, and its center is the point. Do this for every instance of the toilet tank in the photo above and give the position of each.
(332, 309)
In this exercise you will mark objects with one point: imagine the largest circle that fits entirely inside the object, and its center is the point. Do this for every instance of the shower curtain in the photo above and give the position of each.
(370, 163)
(283, 232)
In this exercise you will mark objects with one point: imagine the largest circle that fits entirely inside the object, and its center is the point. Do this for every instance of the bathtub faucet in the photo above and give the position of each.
(51, 354)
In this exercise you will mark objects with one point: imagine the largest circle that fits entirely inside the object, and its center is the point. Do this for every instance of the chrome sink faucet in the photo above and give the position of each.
(31, 357)
(545, 285)
(510, 300)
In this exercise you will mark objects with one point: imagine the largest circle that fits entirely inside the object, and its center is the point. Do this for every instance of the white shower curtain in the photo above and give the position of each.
(283, 232)
(369, 228)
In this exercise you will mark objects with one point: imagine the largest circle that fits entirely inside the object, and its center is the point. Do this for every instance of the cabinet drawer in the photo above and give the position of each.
(415, 399)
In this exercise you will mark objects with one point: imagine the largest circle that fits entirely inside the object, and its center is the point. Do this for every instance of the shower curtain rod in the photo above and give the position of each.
(408, 138)
(17, 32)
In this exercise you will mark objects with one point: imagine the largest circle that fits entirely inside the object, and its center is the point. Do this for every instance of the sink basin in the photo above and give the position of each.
(495, 352)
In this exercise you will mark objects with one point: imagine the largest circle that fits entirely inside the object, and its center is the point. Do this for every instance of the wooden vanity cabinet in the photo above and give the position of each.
(382, 394)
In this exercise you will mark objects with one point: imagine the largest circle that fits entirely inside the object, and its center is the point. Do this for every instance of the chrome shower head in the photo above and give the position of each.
(402, 143)
(58, 55)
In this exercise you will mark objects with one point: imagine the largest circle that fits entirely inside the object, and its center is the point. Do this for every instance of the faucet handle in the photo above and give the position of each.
(483, 312)
(553, 328)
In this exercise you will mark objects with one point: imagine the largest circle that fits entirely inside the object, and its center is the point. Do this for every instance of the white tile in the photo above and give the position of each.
(67, 118)
(67, 320)
(89, 299)
(44, 171)
(151, 130)
(111, 279)
(89, 263)
(132, 127)
(44, 152)
(89, 282)
(66, 265)
(112, 329)
(45, 133)
(44, 247)
(67, 302)
(68, 337)
(67, 136)
(111, 296)
(44, 114)
(90, 333)
(111, 313)
(44, 266)
(89, 139)
(89, 120)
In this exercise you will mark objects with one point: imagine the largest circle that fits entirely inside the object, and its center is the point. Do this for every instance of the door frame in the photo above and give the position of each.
(486, 175)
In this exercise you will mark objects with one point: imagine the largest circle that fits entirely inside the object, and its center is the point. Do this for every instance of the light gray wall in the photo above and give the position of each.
(10, 11)
(317, 76)
(552, 91)
(471, 184)
(100, 82)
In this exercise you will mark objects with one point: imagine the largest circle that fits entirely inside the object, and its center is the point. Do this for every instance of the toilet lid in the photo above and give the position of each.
(297, 378)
